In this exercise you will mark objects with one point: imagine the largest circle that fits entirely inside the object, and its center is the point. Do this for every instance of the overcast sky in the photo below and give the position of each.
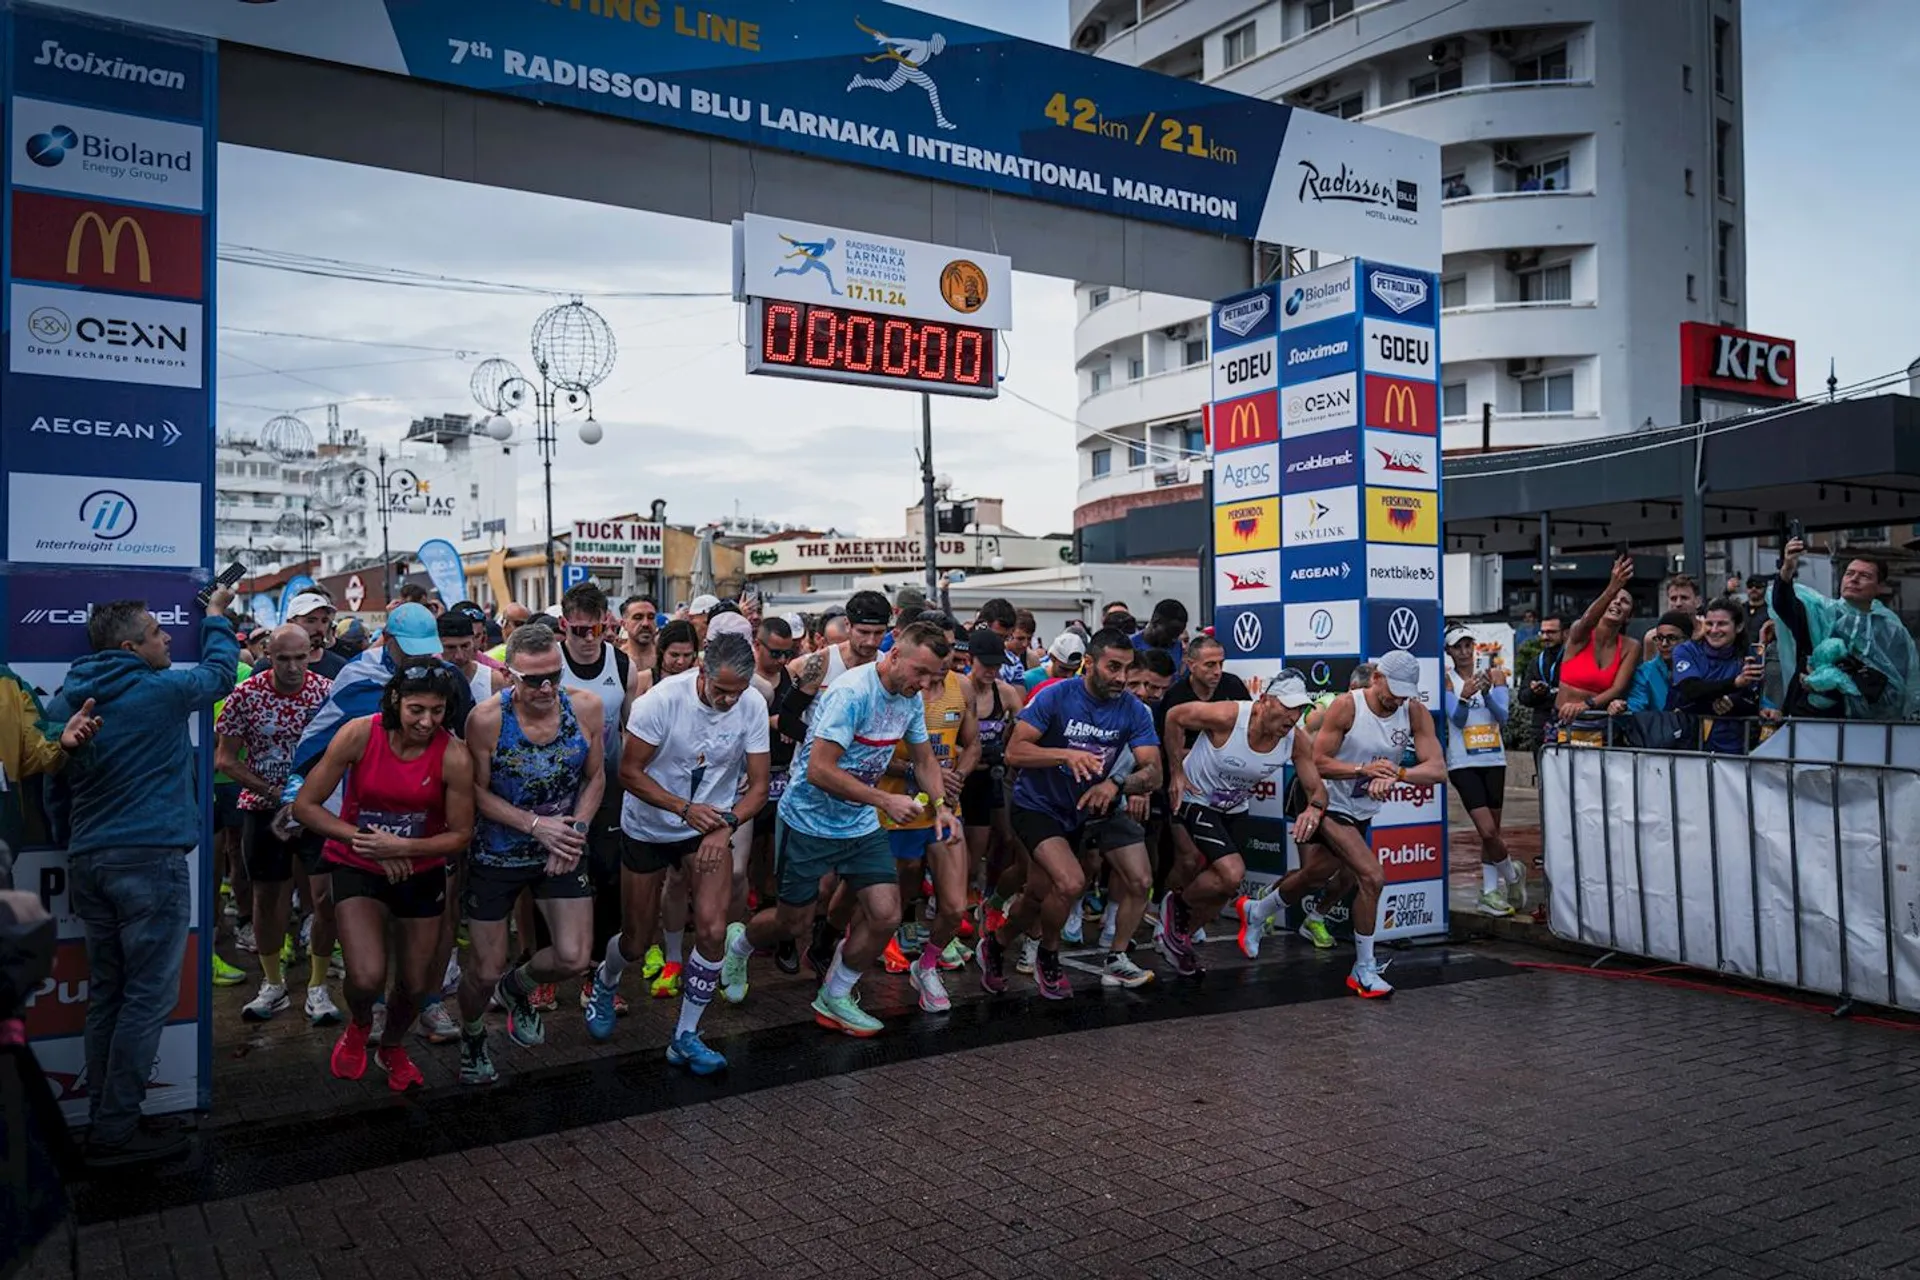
(684, 422)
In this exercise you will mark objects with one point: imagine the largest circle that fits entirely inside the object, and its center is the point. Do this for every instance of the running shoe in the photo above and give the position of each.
(620, 1007)
(545, 997)
(956, 955)
(321, 1010)
(336, 963)
(1093, 904)
(1249, 928)
(1070, 931)
(599, 1003)
(733, 969)
(667, 985)
(437, 1026)
(992, 960)
(1029, 952)
(651, 965)
(1175, 918)
(244, 941)
(225, 975)
(933, 992)
(1494, 903)
(1051, 980)
(893, 959)
(1314, 930)
(991, 918)
(1176, 947)
(402, 1074)
(305, 934)
(379, 1026)
(843, 1013)
(1365, 981)
(272, 999)
(523, 1020)
(476, 1061)
(450, 983)
(1121, 971)
(786, 956)
(690, 1051)
(966, 929)
(349, 1059)
(1515, 873)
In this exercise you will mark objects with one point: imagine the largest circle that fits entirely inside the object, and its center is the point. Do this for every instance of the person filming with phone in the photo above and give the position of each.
(1850, 657)
(1719, 676)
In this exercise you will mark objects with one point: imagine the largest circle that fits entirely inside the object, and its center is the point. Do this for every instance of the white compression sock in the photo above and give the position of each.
(1490, 875)
(613, 964)
(1363, 944)
(1264, 908)
(840, 979)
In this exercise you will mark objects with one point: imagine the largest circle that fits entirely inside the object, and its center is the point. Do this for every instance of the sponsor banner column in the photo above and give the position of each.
(1400, 407)
(1244, 420)
(106, 413)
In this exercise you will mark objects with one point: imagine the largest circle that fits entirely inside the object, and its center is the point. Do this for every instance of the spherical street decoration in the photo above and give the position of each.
(590, 432)
(573, 346)
(286, 438)
(497, 385)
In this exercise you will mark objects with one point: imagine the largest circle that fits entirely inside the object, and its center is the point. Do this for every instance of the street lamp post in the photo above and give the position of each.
(573, 351)
(401, 483)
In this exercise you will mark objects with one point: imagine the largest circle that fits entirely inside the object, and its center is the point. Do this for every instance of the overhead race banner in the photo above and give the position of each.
(106, 436)
(898, 89)
(807, 262)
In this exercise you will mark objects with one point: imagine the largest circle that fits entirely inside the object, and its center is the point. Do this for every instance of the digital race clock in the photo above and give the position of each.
(839, 344)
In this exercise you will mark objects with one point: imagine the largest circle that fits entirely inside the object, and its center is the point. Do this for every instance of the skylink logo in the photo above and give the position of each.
(92, 64)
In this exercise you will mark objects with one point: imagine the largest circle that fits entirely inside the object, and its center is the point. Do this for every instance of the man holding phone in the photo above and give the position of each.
(1718, 677)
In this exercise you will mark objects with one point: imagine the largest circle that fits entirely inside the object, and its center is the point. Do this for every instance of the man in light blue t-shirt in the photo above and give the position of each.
(829, 818)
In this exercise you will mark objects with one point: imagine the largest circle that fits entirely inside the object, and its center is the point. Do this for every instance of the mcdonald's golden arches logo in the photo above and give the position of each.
(106, 246)
(1399, 404)
(1250, 420)
(108, 238)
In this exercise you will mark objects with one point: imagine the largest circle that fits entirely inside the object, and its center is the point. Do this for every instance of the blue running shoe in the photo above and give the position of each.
(690, 1051)
(600, 1011)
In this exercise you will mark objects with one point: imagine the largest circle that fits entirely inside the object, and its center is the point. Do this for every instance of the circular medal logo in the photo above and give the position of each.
(964, 285)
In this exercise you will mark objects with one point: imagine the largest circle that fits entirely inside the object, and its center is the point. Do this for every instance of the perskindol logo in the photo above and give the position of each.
(1402, 513)
(53, 54)
(1239, 318)
(1245, 521)
(1344, 185)
(1319, 351)
(1401, 293)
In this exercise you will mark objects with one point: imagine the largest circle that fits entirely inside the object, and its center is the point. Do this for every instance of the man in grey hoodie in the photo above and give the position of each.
(135, 817)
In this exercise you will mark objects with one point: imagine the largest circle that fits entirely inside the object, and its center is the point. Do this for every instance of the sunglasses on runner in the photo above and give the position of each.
(782, 654)
(536, 679)
(583, 630)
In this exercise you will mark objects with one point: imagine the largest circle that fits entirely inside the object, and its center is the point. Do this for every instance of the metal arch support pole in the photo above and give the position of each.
(930, 522)
(547, 444)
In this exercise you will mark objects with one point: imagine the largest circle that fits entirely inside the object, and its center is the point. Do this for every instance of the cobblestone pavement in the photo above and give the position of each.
(1628, 1130)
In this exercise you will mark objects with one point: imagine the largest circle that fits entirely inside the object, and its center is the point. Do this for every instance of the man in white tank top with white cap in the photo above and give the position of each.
(1363, 740)
(1235, 748)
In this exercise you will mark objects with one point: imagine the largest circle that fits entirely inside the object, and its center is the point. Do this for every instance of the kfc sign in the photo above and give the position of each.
(1733, 360)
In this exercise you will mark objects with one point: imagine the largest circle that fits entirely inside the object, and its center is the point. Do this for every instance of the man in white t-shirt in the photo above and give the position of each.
(687, 743)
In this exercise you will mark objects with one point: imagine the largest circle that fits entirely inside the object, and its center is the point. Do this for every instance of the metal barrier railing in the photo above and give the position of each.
(1787, 869)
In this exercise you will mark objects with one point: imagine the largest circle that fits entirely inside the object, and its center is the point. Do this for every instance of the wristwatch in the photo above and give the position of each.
(731, 819)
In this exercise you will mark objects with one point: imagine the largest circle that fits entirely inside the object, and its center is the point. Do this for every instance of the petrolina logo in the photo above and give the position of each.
(1401, 293)
(1239, 318)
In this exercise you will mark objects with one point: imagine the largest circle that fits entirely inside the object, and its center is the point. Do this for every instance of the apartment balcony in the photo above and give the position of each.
(1128, 315)
(1164, 397)
(1496, 112)
(1517, 220)
(1516, 330)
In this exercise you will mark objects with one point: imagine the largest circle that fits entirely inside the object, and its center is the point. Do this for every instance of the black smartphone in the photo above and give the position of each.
(228, 576)
(1622, 550)
(1796, 530)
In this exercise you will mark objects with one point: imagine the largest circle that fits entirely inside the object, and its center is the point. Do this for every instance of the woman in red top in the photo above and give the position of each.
(1600, 657)
(406, 808)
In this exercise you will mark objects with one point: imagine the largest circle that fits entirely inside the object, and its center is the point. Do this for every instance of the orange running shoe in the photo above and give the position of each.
(667, 985)
(893, 959)
(545, 997)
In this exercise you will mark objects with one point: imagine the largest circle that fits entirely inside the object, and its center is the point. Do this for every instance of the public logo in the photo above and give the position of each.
(1247, 526)
(1248, 421)
(1405, 350)
(104, 246)
(1315, 628)
(1401, 293)
(1323, 515)
(1398, 405)
(1244, 369)
(1408, 854)
(1402, 461)
(909, 57)
(1240, 318)
(964, 285)
(1317, 295)
(108, 155)
(1326, 404)
(71, 333)
(1403, 515)
(1403, 629)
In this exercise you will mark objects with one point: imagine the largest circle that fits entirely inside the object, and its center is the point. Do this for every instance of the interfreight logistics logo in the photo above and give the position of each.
(62, 519)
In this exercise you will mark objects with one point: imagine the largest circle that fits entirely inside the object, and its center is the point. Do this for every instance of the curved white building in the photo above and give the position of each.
(1592, 165)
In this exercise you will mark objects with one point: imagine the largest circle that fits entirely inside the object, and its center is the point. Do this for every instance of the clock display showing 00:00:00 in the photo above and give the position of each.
(834, 342)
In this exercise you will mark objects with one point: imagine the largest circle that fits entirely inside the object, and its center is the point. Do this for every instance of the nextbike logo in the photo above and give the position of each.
(1319, 295)
(107, 155)
(1320, 461)
(1246, 473)
(1402, 573)
(1325, 404)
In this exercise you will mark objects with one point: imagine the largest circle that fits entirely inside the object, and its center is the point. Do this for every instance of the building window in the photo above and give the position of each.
(1101, 379)
(1097, 298)
(1321, 12)
(1552, 393)
(1722, 37)
(1136, 454)
(1193, 440)
(1453, 400)
(1690, 288)
(1453, 186)
(1440, 81)
(1689, 182)
(1546, 284)
(1549, 64)
(1238, 46)
(1102, 462)
(1136, 368)
(1722, 139)
(1550, 174)
(1346, 108)
(1686, 78)
(1723, 260)
(1453, 292)
(1193, 352)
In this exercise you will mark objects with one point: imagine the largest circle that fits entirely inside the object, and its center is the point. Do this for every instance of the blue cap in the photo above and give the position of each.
(416, 630)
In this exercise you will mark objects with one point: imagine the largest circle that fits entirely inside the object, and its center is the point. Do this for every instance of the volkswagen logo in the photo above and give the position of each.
(1246, 632)
(1321, 624)
(1403, 629)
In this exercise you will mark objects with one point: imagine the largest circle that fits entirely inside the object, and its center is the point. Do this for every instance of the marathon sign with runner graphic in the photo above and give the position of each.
(106, 416)
(1356, 359)
(884, 86)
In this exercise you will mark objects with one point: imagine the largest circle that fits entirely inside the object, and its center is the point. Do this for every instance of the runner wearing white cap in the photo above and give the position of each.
(699, 611)
(1064, 657)
(1360, 751)
(1236, 747)
(314, 614)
